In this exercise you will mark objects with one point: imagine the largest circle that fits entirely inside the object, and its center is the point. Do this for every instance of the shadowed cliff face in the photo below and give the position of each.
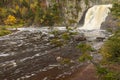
(111, 23)
(81, 22)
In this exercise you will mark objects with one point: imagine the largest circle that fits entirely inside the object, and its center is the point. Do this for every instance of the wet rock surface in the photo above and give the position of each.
(29, 55)
(79, 37)
(25, 54)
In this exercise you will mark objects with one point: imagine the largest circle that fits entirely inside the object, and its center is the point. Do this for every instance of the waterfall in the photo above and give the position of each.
(95, 16)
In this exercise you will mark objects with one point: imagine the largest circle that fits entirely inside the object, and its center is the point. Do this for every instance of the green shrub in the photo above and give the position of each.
(57, 42)
(55, 33)
(111, 76)
(4, 32)
(66, 36)
(85, 57)
(115, 9)
(106, 74)
(3, 12)
(39, 16)
(84, 48)
(111, 48)
(65, 61)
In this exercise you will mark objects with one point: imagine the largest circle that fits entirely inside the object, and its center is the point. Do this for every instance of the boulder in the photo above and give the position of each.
(100, 38)
(79, 38)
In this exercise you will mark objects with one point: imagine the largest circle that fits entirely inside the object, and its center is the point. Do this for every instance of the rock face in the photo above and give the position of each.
(79, 38)
(100, 38)
(75, 9)
(110, 23)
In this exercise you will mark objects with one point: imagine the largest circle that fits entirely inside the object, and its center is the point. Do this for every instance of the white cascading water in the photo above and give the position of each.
(95, 16)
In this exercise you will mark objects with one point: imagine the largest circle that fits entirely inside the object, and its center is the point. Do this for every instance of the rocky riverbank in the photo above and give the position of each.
(29, 55)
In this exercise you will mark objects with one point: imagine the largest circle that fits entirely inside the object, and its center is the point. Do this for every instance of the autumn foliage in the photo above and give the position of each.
(11, 20)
